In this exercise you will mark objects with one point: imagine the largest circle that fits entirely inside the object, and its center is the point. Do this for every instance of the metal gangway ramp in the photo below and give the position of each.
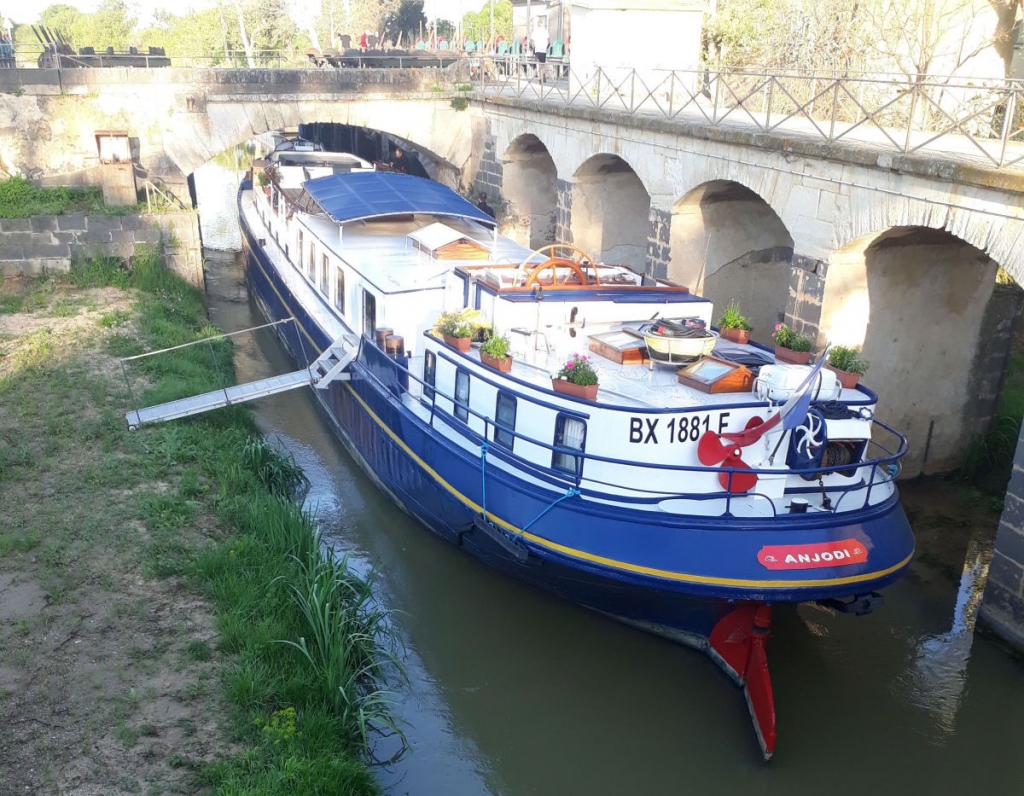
(327, 368)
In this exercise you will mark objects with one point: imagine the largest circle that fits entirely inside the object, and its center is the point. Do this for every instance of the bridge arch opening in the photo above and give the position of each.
(530, 191)
(727, 243)
(924, 307)
(611, 211)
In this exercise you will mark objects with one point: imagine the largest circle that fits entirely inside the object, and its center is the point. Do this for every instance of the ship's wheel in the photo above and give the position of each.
(576, 262)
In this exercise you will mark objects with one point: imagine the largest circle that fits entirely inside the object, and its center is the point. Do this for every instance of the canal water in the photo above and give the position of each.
(511, 691)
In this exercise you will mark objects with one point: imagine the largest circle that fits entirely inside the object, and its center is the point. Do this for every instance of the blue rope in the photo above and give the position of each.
(571, 493)
(483, 478)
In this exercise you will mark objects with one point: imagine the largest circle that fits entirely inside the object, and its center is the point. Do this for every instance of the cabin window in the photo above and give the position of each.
(505, 415)
(299, 248)
(429, 374)
(339, 288)
(369, 313)
(462, 395)
(273, 200)
(312, 263)
(570, 432)
(325, 284)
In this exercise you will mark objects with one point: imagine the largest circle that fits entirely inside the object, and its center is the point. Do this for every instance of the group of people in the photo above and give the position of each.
(6, 52)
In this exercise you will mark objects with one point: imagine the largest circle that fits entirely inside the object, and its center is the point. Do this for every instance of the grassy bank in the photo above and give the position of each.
(167, 621)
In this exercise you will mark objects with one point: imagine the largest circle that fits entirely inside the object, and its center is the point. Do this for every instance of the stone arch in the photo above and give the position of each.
(727, 243)
(921, 304)
(611, 211)
(530, 192)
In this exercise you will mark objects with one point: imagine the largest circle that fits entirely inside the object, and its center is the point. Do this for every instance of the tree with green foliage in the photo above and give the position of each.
(476, 26)
(404, 26)
(111, 25)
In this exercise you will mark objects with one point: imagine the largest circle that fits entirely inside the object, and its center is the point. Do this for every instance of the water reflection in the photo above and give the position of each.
(937, 677)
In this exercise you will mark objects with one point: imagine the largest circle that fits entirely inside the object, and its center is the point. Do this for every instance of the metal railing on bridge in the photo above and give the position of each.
(973, 119)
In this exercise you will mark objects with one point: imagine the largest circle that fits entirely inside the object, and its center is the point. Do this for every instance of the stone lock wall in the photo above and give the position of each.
(41, 244)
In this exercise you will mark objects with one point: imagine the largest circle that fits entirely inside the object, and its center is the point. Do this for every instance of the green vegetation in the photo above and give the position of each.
(301, 648)
(847, 358)
(20, 199)
(579, 371)
(732, 318)
(788, 338)
(496, 346)
(457, 323)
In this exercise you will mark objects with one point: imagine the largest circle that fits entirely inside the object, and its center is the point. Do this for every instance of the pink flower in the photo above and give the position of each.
(778, 326)
(569, 365)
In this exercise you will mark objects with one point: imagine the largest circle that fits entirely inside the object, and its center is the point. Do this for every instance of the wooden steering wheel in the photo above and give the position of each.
(573, 258)
(553, 264)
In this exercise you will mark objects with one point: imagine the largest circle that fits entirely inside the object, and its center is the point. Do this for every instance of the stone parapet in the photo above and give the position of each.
(44, 244)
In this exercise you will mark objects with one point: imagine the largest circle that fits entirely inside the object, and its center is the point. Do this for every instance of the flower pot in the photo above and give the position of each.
(736, 335)
(504, 364)
(847, 379)
(458, 343)
(585, 392)
(791, 356)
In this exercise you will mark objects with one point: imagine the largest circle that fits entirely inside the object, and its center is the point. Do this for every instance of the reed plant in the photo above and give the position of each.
(304, 643)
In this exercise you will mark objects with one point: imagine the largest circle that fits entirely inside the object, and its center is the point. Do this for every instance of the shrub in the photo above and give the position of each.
(787, 338)
(732, 318)
(456, 324)
(847, 358)
(496, 346)
(579, 371)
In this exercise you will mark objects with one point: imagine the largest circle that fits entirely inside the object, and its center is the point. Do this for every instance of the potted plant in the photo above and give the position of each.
(576, 378)
(791, 346)
(732, 325)
(846, 363)
(264, 181)
(455, 328)
(494, 353)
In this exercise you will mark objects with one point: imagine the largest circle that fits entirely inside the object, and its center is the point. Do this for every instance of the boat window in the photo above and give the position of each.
(429, 374)
(369, 313)
(325, 284)
(505, 415)
(462, 395)
(570, 432)
(339, 288)
(312, 263)
(273, 200)
(299, 249)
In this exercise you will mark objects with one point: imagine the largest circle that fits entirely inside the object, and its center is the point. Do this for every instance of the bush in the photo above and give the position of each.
(847, 358)
(496, 346)
(732, 318)
(579, 371)
(787, 338)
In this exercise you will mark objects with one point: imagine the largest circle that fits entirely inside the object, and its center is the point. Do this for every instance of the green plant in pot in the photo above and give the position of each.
(733, 325)
(847, 364)
(494, 352)
(456, 328)
(576, 378)
(791, 346)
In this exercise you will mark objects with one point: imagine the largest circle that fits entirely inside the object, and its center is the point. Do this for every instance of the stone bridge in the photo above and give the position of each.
(850, 243)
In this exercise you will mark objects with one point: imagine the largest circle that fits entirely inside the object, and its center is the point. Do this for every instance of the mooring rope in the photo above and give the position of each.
(570, 493)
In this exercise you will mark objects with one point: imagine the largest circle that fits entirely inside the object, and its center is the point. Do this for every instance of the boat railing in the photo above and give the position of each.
(882, 468)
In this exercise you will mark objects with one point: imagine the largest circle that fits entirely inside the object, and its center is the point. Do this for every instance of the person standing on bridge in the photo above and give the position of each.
(540, 42)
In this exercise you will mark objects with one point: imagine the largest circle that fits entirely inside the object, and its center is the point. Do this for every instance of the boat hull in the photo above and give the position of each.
(581, 559)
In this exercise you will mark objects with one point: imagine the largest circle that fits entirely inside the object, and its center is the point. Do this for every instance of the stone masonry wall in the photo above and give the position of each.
(36, 245)
(488, 177)
(806, 292)
(659, 244)
(563, 226)
(1003, 608)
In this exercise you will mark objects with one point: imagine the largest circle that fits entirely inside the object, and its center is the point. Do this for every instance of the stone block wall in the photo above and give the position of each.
(41, 244)
(806, 293)
(488, 176)
(1003, 608)
(563, 224)
(658, 243)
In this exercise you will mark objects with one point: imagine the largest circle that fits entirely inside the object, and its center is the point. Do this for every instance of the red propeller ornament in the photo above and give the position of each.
(711, 451)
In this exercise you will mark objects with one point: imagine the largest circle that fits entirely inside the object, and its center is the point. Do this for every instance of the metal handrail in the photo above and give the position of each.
(559, 476)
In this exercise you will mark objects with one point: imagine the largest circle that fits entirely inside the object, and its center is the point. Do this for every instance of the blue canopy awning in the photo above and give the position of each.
(372, 194)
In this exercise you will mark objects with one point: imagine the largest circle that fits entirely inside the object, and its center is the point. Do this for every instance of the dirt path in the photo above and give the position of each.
(108, 673)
